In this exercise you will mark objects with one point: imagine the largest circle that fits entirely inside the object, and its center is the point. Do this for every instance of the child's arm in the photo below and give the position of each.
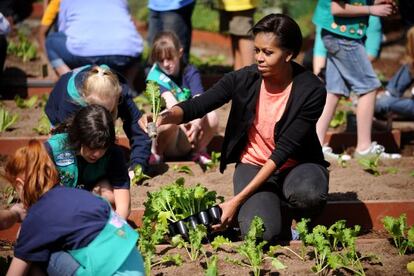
(9, 217)
(17, 267)
(380, 8)
(122, 199)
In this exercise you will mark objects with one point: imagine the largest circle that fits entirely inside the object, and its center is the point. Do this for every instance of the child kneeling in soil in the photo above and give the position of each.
(84, 152)
(65, 224)
(179, 82)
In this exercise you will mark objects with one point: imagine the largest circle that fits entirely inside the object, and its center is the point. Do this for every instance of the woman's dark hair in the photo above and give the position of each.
(92, 126)
(284, 28)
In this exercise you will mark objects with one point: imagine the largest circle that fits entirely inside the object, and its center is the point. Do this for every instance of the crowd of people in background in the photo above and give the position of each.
(275, 132)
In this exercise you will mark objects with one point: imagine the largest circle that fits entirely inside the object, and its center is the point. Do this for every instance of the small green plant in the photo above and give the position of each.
(211, 263)
(193, 246)
(43, 125)
(402, 235)
(183, 169)
(28, 103)
(139, 175)
(215, 160)
(219, 241)
(252, 250)
(392, 170)
(370, 165)
(152, 92)
(338, 119)
(150, 236)
(10, 195)
(22, 48)
(410, 267)
(6, 119)
(141, 101)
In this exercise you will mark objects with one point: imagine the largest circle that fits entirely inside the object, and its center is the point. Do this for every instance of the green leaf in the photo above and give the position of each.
(410, 267)
(338, 119)
(152, 92)
(183, 169)
(212, 269)
(139, 175)
(28, 103)
(6, 119)
(219, 241)
(278, 264)
(43, 125)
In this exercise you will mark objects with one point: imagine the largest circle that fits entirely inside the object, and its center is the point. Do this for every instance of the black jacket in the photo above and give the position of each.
(295, 133)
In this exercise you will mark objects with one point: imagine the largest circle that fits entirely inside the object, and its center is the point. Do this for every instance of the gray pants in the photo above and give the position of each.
(304, 189)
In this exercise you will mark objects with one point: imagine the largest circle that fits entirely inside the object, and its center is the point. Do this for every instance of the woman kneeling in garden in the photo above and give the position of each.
(270, 132)
(86, 156)
(71, 231)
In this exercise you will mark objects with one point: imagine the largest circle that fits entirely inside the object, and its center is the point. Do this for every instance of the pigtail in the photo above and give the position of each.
(35, 165)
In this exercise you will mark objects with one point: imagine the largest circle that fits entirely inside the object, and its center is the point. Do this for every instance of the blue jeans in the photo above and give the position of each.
(400, 82)
(58, 55)
(62, 263)
(303, 188)
(176, 21)
(348, 67)
(401, 106)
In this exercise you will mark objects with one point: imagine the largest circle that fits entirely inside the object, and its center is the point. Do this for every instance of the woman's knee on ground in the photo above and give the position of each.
(306, 186)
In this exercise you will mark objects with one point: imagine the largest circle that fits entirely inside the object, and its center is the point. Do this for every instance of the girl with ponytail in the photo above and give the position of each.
(70, 230)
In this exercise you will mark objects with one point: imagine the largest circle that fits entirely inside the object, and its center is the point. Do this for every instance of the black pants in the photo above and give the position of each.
(3, 52)
(304, 189)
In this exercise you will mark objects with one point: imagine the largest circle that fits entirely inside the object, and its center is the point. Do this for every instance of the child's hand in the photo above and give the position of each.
(382, 10)
(144, 120)
(19, 210)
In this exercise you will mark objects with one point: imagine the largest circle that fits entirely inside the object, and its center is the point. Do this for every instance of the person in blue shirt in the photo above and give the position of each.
(178, 82)
(103, 86)
(86, 156)
(69, 231)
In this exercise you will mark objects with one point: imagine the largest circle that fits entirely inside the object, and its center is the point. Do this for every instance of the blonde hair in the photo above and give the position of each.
(101, 86)
(39, 171)
(165, 46)
(410, 44)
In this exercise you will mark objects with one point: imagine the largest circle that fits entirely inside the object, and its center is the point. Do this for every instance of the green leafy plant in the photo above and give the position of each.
(215, 160)
(410, 267)
(212, 269)
(6, 119)
(252, 250)
(338, 119)
(183, 169)
(193, 246)
(333, 247)
(22, 47)
(28, 103)
(9, 194)
(219, 241)
(152, 92)
(402, 235)
(43, 125)
(139, 175)
(141, 101)
(150, 236)
(371, 164)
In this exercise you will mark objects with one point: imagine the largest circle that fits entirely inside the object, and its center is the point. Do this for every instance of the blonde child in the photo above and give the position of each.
(179, 82)
(100, 85)
(71, 230)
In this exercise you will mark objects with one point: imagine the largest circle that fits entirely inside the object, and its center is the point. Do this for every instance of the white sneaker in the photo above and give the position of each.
(329, 155)
(374, 150)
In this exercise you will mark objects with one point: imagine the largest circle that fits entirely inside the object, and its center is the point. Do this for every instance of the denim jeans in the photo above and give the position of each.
(348, 67)
(400, 82)
(62, 263)
(58, 54)
(401, 106)
(176, 21)
(303, 188)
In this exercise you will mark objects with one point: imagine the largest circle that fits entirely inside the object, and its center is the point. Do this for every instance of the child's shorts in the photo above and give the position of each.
(348, 68)
(236, 23)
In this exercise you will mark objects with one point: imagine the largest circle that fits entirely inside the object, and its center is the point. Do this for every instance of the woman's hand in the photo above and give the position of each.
(194, 131)
(229, 209)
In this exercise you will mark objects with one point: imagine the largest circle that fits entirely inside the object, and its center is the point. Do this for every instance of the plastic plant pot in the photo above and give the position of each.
(172, 229)
(215, 214)
(152, 130)
(192, 220)
(204, 218)
(182, 228)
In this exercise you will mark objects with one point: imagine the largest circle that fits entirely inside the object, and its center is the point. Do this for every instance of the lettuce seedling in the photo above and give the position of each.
(43, 125)
(193, 246)
(370, 165)
(6, 119)
(28, 103)
(219, 241)
(211, 263)
(139, 175)
(252, 250)
(402, 235)
(152, 92)
(215, 160)
(183, 169)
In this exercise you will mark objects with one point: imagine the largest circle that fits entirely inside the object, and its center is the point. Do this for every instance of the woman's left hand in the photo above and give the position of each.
(229, 209)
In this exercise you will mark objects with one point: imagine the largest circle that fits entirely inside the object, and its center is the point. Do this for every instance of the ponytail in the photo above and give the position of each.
(34, 164)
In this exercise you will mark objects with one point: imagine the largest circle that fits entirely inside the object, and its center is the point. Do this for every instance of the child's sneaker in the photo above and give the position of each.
(329, 155)
(374, 150)
(202, 158)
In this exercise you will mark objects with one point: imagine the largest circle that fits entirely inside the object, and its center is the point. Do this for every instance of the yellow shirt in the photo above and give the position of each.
(50, 13)
(237, 5)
